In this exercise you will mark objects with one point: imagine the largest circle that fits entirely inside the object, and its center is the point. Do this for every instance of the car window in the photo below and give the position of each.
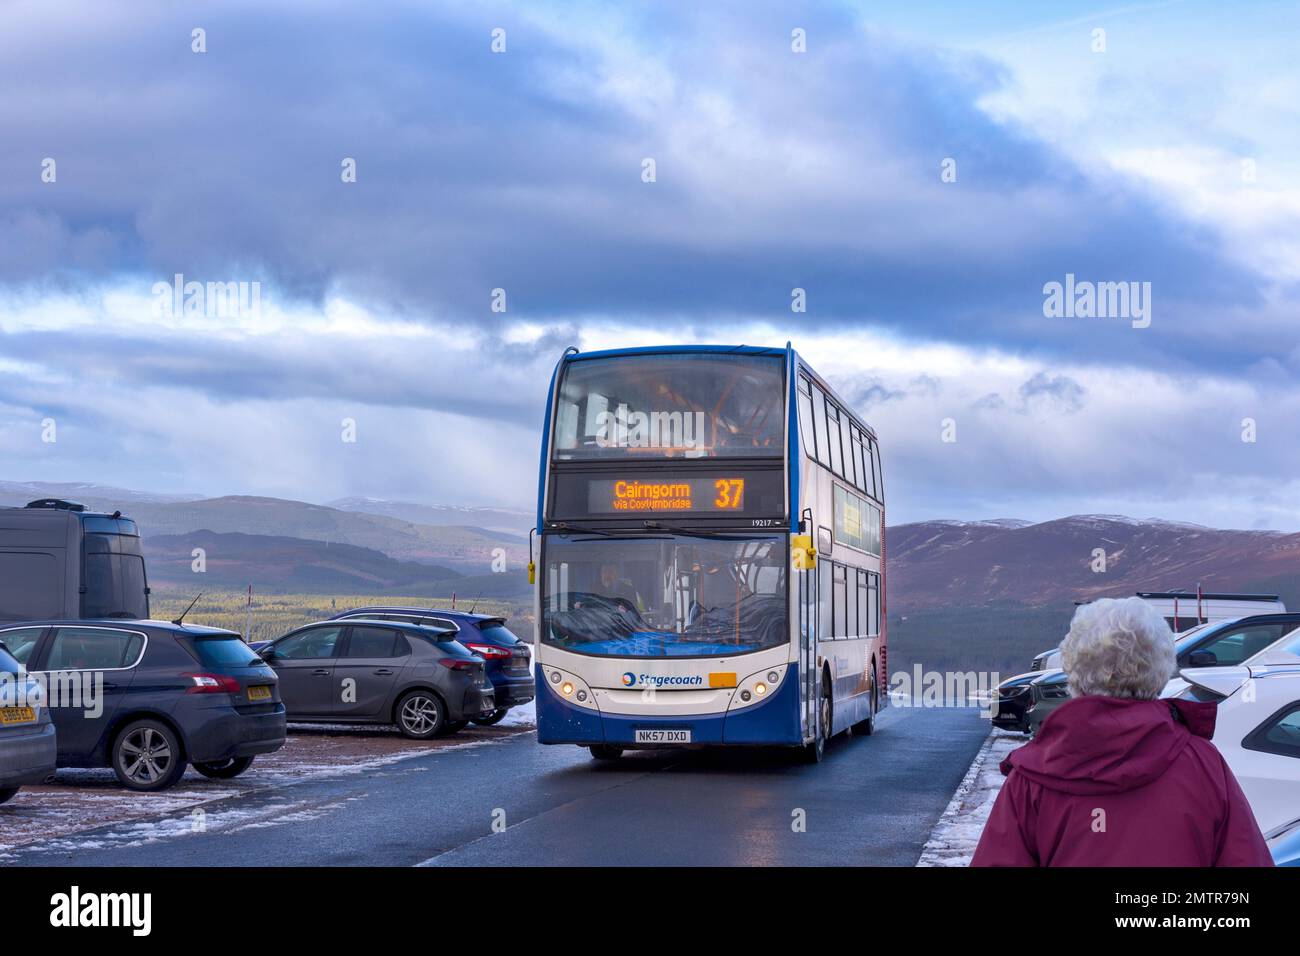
(499, 633)
(21, 641)
(376, 642)
(313, 644)
(93, 648)
(1280, 734)
(8, 665)
(1236, 644)
(224, 651)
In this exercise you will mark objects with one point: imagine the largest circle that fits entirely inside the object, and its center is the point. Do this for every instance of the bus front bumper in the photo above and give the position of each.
(774, 722)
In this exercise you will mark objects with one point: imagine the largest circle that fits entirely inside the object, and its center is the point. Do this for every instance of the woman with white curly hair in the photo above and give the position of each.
(1116, 776)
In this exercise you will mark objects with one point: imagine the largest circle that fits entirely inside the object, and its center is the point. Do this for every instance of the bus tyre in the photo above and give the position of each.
(814, 751)
(7, 794)
(867, 727)
(605, 752)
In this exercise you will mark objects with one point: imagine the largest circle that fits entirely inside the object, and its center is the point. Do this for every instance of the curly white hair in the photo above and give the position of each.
(1118, 648)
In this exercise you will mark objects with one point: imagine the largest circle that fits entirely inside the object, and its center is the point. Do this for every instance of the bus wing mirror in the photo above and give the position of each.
(825, 543)
(803, 552)
(532, 573)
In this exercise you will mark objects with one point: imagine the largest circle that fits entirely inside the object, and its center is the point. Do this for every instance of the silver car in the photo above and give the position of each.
(27, 742)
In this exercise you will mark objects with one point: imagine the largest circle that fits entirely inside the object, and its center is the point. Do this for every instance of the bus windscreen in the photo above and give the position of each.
(686, 405)
(665, 595)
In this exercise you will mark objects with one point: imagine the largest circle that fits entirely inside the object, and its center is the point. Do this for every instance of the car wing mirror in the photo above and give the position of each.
(1203, 659)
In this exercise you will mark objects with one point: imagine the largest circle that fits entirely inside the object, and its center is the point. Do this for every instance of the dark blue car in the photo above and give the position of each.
(509, 660)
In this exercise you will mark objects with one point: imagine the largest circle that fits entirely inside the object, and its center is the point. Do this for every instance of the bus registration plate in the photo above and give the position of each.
(663, 736)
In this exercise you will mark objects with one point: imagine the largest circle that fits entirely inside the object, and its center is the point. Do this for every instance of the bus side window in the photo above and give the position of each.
(833, 438)
(819, 417)
(879, 478)
(840, 602)
(864, 616)
(806, 419)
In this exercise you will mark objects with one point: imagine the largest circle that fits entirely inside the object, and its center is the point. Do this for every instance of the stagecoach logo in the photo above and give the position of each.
(625, 428)
(661, 680)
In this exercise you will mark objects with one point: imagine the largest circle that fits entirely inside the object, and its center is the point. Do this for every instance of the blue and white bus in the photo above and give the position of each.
(711, 535)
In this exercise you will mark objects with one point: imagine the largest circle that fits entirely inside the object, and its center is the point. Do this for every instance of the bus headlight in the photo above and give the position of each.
(756, 687)
(569, 688)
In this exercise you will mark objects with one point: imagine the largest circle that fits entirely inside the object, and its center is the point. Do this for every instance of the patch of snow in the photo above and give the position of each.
(953, 840)
(525, 715)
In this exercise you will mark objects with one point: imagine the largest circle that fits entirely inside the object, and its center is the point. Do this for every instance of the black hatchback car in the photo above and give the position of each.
(380, 672)
(148, 697)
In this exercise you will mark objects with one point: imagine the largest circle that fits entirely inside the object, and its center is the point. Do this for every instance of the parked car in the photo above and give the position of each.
(370, 671)
(27, 735)
(509, 660)
(148, 697)
(1215, 644)
(1284, 844)
(1180, 613)
(60, 561)
(1258, 726)
(1014, 698)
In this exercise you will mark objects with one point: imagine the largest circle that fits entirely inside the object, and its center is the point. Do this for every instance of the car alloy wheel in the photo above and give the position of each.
(147, 756)
(420, 715)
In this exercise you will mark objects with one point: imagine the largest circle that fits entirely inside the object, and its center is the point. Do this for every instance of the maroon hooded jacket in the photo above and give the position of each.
(1110, 782)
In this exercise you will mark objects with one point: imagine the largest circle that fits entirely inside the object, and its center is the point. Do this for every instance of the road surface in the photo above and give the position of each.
(511, 802)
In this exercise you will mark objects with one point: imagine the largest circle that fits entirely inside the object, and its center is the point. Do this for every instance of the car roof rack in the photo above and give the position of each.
(56, 504)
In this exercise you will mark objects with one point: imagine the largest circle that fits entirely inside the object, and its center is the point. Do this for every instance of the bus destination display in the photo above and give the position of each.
(647, 496)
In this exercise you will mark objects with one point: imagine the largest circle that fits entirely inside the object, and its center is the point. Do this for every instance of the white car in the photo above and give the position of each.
(1258, 726)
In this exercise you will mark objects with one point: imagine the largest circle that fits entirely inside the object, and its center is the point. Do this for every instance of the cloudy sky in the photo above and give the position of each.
(1152, 143)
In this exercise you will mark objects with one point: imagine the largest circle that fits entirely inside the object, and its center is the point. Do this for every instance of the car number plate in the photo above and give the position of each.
(259, 692)
(663, 736)
(17, 715)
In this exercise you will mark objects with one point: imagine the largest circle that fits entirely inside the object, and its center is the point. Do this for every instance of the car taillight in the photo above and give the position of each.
(458, 664)
(212, 684)
(489, 651)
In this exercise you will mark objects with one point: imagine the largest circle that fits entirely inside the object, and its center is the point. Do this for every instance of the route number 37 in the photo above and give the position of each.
(731, 493)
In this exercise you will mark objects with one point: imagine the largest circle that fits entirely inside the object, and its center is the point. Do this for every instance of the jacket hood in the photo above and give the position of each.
(1093, 745)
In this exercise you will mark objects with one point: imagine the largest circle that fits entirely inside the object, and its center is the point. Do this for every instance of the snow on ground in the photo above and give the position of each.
(52, 814)
(525, 715)
(956, 834)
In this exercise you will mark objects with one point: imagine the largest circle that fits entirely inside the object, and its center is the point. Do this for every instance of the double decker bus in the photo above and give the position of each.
(710, 568)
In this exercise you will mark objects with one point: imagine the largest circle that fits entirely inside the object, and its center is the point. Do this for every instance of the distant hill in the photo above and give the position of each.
(493, 519)
(468, 550)
(279, 563)
(956, 563)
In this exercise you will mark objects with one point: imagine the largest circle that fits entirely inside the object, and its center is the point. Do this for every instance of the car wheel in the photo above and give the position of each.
(605, 752)
(147, 756)
(7, 794)
(867, 727)
(814, 751)
(493, 718)
(421, 715)
(224, 769)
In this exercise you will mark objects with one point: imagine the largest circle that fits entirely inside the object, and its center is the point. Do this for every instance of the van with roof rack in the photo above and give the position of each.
(60, 561)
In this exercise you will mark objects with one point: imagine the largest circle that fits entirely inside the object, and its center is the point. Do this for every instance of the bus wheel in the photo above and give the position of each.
(605, 752)
(814, 751)
(867, 727)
